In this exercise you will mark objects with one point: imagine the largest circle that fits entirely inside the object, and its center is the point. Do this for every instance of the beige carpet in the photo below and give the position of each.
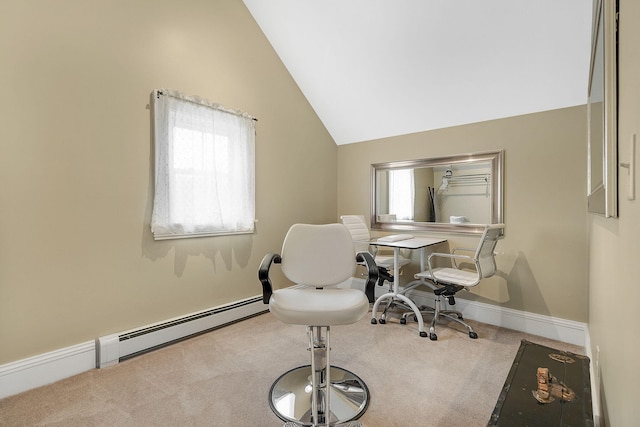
(222, 378)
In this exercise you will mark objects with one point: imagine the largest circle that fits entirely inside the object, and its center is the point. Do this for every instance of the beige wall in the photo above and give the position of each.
(614, 251)
(543, 258)
(77, 259)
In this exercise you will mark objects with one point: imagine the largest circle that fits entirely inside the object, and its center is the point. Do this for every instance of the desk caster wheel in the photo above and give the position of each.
(382, 321)
(433, 336)
(403, 321)
(374, 322)
(473, 335)
(423, 334)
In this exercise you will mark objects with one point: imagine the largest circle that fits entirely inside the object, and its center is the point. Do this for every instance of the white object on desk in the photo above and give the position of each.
(395, 238)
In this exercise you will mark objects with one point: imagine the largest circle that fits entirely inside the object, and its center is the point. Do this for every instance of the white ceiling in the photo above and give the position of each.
(380, 68)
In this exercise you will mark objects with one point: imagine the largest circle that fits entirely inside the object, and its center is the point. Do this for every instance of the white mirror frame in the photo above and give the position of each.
(496, 158)
(602, 192)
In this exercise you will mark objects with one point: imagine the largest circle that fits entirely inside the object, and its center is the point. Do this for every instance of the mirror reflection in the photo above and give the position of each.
(455, 193)
(602, 115)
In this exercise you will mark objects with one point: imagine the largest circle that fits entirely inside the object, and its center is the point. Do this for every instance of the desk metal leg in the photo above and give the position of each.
(392, 296)
(374, 310)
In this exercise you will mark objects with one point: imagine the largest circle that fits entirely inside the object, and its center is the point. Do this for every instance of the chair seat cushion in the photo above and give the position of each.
(451, 275)
(318, 307)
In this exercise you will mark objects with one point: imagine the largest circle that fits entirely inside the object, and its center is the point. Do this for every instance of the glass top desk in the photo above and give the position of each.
(405, 243)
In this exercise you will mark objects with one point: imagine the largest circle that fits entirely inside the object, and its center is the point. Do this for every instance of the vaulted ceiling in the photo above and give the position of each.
(381, 68)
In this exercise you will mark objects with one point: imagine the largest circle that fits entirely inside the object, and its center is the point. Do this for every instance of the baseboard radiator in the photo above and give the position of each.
(114, 348)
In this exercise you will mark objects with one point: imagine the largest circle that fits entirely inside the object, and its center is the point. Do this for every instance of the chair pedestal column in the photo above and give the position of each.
(319, 394)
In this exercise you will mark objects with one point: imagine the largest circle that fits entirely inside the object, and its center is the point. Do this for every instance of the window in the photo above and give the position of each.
(401, 193)
(204, 168)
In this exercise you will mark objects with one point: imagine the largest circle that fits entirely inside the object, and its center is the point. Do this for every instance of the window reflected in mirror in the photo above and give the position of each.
(455, 193)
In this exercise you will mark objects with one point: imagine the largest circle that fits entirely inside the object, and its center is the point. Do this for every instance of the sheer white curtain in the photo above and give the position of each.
(401, 193)
(204, 168)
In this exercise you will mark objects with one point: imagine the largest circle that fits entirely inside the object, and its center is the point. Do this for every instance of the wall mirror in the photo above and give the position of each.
(602, 176)
(456, 194)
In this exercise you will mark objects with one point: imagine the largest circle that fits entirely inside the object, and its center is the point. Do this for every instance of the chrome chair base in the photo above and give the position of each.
(290, 397)
(452, 315)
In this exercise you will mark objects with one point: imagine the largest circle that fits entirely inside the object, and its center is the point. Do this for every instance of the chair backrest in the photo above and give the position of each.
(318, 255)
(359, 231)
(484, 254)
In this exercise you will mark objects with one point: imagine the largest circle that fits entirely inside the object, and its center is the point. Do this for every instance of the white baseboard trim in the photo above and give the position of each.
(47, 368)
(568, 331)
(537, 324)
(26, 374)
(594, 373)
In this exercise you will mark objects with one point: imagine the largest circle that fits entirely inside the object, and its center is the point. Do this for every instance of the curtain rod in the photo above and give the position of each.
(200, 101)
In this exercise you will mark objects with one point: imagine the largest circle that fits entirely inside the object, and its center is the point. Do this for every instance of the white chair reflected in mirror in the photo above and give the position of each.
(361, 238)
(468, 267)
(318, 258)
(387, 217)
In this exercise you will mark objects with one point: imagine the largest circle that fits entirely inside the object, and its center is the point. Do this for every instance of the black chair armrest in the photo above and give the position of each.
(263, 275)
(372, 274)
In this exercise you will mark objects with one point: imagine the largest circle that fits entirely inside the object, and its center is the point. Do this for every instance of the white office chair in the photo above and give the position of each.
(465, 271)
(317, 258)
(361, 238)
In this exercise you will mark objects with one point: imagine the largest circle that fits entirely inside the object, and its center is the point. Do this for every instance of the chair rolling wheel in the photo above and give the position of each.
(382, 321)
(374, 321)
(403, 321)
(423, 334)
(473, 335)
(433, 336)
